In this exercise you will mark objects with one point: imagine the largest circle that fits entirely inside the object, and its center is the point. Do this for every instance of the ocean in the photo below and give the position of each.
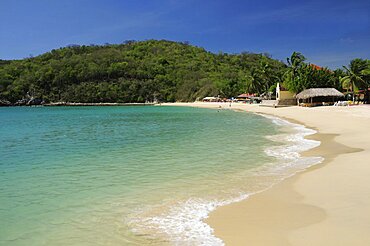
(135, 175)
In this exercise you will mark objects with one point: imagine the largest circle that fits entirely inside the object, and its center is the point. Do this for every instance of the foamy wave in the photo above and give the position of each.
(295, 143)
(183, 223)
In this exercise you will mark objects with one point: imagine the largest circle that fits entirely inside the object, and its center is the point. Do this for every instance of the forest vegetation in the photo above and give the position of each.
(160, 70)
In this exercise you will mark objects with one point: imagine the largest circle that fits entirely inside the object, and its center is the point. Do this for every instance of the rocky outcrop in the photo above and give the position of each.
(21, 102)
(5, 103)
(29, 102)
(35, 101)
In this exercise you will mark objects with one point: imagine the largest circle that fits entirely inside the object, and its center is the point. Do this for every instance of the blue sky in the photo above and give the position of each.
(328, 32)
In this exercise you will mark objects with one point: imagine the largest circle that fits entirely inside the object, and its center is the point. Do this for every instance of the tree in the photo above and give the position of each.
(355, 76)
(295, 62)
(292, 78)
(254, 82)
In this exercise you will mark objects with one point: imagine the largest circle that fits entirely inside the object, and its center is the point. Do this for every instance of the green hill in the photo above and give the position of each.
(136, 72)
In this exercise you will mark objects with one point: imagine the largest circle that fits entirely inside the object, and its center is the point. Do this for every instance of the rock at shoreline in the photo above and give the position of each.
(21, 102)
(5, 103)
(35, 101)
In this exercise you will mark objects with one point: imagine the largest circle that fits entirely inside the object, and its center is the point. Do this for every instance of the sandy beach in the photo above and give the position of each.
(328, 204)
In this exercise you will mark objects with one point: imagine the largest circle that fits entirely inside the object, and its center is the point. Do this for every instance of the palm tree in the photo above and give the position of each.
(291, 76)
(355, 76)
(264, 72)
(253, 82)
(295, 62)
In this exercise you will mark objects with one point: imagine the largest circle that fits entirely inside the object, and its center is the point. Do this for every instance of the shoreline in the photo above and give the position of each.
(61, 104)
(307, 208)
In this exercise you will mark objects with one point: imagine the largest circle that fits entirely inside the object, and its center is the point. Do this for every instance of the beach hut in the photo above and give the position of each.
(245, 97)
(318, 96)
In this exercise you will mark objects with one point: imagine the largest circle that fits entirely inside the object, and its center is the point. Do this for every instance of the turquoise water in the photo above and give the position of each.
(125, 175)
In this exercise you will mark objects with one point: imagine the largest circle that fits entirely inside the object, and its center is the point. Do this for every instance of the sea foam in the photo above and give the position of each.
(184, 223)
(294, 142)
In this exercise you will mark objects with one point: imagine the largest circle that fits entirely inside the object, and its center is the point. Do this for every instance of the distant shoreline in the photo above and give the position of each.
(97, 104)
(62, 104)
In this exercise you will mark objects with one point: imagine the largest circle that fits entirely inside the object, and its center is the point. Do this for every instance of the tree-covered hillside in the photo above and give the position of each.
(136, 72)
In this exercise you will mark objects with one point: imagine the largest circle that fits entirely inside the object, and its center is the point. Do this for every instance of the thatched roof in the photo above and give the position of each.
(319, 92)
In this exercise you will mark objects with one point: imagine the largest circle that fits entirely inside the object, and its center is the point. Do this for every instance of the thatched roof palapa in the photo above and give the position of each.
(319, 92)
